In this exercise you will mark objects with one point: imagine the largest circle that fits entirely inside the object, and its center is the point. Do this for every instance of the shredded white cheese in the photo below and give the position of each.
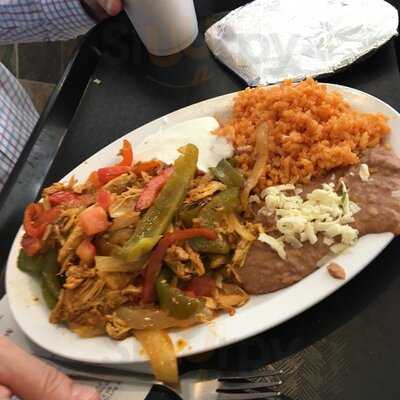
(328, 241)
(324, 212)
(254, 199)
(364, 172)
(276, 244)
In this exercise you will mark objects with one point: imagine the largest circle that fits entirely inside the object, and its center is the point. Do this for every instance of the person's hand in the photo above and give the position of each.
(102, 9)
(31, 379)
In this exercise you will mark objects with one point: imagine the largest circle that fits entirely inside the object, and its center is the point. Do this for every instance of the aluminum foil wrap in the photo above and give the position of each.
(268, 41)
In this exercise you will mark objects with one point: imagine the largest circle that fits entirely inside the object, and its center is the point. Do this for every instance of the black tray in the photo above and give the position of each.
(347, 346)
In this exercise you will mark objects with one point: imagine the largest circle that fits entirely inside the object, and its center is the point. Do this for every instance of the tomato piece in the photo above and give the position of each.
(126, 153)
(32, 225)
(36, 219)
(94, 220)
(109, 173)
(86, 251)
(155, 261)
(146, 166)
(201, 286)
(62, 197)
(31, 245)
(152, 190)
(104, 198)
(49, 216)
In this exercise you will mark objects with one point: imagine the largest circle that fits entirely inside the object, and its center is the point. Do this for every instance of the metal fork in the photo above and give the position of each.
(194, 385)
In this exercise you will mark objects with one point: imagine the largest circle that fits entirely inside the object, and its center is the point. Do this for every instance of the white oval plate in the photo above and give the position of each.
(259, 314)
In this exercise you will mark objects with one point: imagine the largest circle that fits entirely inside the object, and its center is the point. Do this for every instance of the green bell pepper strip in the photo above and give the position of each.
(188, 214)
(158, 217)
(46, 268)
(31, 265)
(227, 174)
(48, 297)
(50, 271)
(222, 204)
(175, 302)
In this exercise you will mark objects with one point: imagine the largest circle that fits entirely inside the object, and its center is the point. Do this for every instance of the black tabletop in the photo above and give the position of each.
(347, 346)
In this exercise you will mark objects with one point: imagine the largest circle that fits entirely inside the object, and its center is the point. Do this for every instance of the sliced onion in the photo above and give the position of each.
(261, 151)
(124, 220)
(161, 352)
(123, 206)
(114, 264)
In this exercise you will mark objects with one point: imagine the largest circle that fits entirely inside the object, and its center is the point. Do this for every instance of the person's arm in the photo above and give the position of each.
(38, 20)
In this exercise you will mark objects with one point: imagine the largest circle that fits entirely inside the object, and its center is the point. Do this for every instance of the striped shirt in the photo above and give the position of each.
(23, 21)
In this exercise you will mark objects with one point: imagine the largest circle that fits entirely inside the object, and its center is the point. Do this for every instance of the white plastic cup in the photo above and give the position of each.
(165, 26)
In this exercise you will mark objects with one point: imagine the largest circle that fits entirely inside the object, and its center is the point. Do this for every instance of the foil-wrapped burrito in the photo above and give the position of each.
(268, 41)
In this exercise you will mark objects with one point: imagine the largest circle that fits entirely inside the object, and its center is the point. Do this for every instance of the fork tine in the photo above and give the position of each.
(247, 396)
(247, 385)
(247, 375)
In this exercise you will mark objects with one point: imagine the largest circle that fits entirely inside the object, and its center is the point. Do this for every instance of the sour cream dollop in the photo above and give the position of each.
(164, 144)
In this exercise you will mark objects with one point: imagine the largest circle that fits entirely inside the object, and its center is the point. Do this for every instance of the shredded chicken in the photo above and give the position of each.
(238, 259)
(76, 274)
(114, 299)
(195, 259)
(71, 244)
(203, 191)
(72, 182)
(240, 253)
(54, 188)
(58, 236)
(178, 253)
(47, 232)
(176, 258)
(117, 328)
(181, 270)
(79, 304)
(231, 296)
(68, 218)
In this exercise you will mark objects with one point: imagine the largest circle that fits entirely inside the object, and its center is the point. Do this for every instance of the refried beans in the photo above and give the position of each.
(264, 271)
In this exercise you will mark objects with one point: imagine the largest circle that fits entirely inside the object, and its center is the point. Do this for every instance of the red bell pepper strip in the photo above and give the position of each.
(103, 175)
(201, 286)
(62, 197)
(94, 220)
(70, 199)
(155, 262)
(109, 173)
(153, 189)
(126, 153)
(145, 166)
